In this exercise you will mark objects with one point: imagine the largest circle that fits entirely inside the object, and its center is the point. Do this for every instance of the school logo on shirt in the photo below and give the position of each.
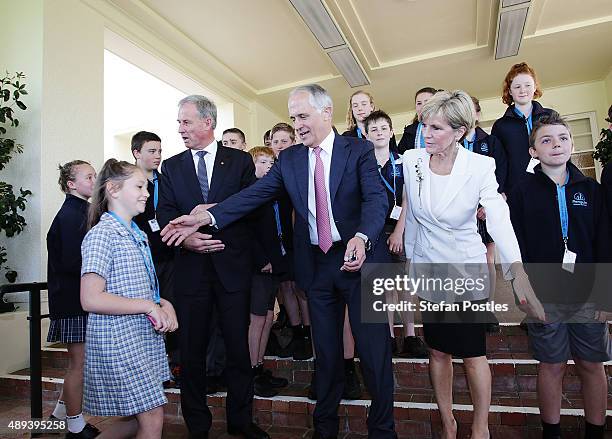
(579, 200)
(484, 147)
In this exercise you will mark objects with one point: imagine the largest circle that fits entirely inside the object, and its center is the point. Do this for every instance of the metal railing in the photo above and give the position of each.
(35, 318)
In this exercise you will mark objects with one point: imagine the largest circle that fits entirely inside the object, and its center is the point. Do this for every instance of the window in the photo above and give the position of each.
(584, 133)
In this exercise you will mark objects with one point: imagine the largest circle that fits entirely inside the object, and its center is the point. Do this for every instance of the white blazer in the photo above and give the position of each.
(452, 237)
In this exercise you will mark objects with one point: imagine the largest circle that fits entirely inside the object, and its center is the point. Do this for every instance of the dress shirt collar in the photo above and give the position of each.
(211, 149)
(327, 144)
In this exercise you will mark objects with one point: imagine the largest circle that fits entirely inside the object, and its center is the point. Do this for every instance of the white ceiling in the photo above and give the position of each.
(402, 44)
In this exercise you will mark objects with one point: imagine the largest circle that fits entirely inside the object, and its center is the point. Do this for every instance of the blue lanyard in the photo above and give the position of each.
(563, 208)
(469, 144)
(419, 139)
(359, 133)
(155, 191)
(528, 120)
(391, 189)
(147, 257)
(279, 228)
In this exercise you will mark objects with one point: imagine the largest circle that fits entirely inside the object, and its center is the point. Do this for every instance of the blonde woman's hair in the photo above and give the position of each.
(351, 123)
(454, 106)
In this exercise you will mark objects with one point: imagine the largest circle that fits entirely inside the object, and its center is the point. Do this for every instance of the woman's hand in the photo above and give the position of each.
(529, 303)
(158, 317)
(267, 268)
(396, 242)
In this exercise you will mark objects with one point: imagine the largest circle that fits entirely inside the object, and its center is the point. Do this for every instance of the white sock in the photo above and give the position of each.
(76, 424)
(60, 410)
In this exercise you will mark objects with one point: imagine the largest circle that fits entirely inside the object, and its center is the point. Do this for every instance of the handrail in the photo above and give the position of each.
(35, 317)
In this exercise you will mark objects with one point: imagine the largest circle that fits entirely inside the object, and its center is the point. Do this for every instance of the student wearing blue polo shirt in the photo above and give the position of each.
(560, 220)
(379, 130)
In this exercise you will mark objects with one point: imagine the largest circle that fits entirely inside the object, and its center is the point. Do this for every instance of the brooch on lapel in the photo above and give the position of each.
(419, 177)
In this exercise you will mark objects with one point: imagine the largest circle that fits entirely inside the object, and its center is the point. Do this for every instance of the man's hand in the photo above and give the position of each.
(267, 268)
(201, 243)
(529, 303)
(354, 257)
(180, 228)
(396, 242)
(201, 208)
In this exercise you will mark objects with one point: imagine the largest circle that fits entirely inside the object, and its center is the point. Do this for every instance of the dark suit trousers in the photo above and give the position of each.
(330, 291)
(194, 306)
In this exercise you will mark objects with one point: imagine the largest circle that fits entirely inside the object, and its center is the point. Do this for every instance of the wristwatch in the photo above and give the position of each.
(366, 240)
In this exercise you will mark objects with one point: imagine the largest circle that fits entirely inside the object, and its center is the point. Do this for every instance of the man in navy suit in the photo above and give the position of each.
(210, 271)
(340, 207)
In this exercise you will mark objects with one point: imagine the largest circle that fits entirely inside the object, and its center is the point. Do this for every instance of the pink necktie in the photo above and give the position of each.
(323, 225)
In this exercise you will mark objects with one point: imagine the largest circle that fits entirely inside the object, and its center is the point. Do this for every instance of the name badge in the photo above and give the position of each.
(569, 260)
(154, 225)
(532, 164)
(396, 212)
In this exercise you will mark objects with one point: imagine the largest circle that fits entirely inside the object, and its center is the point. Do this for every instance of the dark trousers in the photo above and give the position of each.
(215, 356)
(194, 306)
(329, 292)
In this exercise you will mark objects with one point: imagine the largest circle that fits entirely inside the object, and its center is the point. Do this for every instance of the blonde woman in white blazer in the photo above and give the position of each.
(444, 185)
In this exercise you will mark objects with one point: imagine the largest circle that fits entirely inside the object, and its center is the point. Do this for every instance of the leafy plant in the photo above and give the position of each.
(12, 222)
(603, 149)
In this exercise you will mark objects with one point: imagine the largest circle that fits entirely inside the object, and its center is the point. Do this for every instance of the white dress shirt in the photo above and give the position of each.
(209, 159)
(327, 146)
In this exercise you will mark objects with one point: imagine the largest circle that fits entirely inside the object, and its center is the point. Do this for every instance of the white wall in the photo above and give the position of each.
(608, 83)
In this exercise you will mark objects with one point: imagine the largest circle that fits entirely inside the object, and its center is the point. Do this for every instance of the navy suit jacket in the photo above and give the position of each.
(358, 198)
(179, 193)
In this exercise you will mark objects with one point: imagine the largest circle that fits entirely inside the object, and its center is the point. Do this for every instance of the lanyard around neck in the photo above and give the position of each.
(419, 139)
(155, 191)
(141, 244)
(563, 214)
(279, 228)
(391, 189)
(469, 144)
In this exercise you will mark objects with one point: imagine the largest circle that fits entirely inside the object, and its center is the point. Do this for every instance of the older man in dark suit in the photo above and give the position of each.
(340, 207)
(210, 271)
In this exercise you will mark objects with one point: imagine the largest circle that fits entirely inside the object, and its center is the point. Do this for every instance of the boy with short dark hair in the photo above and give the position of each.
(234, 138)
(560, 220)
(379, 131)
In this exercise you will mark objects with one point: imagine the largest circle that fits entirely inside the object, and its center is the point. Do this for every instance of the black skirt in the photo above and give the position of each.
(455, 333)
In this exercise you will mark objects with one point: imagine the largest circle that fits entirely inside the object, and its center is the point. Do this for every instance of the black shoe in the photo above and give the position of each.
(312, 393)
(318, 435)
(414, 348)
(352, 386)
(394, 348)
(263, 388)
(88, 432)
(251, 431)
(282, 320)
(303, 348)
(273, 347)
(276, 382)
(212, 385)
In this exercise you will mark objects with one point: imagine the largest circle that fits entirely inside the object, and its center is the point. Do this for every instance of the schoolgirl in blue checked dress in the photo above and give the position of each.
(125, 360)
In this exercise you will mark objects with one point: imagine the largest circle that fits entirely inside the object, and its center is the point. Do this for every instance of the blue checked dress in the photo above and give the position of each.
(125, 358)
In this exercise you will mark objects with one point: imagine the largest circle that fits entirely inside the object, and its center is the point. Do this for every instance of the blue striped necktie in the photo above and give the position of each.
(203, 175)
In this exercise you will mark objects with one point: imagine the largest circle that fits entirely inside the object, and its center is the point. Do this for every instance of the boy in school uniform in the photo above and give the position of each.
(379, 131)
(271, 266)
(147, 150)
(560, 220)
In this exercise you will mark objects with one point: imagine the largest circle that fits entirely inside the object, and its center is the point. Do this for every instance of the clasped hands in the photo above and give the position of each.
(163, 317)
(184, 230)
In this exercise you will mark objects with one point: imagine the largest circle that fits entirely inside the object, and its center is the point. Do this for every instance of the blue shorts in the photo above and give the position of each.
(563, 339)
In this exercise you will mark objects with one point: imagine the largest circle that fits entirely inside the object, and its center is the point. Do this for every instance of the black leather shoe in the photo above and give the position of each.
(251, 431)
(276, 382)
(318, 435)
(303, 348)
(352, 386)
(414, 348)
(89, 432)
(263, 388)
(212, 385)
(273, 347)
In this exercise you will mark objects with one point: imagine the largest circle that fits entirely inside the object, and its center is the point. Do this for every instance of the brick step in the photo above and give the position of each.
(416, 417)
(509, 375)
